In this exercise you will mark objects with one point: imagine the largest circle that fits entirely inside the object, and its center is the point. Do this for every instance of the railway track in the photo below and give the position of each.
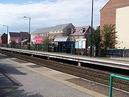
(90, 71)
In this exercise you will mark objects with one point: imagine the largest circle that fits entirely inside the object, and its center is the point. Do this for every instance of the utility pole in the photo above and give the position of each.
(7, 29)
(29, 20)
(91, 44)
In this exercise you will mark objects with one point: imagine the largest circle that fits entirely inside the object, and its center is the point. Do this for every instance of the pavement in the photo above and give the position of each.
(5, 83)
(39, 81)
(124, 59)
(34, 84)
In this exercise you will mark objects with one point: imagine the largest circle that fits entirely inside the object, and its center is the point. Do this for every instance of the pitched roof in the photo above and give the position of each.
(14, 34)
(4, 35)
(52, 29)
(81, 30)
(105, 5)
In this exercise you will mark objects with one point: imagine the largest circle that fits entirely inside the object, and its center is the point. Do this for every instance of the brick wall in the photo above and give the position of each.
(108, 12)
(4, 38)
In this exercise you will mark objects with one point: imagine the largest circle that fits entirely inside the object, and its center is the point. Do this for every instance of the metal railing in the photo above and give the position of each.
(112, 76)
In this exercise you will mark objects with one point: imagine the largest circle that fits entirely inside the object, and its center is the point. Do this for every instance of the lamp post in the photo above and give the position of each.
(29, 22)
(92, 12)
(7, 28)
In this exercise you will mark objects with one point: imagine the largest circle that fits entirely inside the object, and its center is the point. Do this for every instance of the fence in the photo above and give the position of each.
(112, 76)
(118, 53)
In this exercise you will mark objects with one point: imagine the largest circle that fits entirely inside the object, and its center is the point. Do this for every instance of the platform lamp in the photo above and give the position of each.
(7, 28)
(29, 23)
(92, 13)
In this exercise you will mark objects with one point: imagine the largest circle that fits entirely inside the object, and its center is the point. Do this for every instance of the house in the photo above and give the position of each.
(14, 37)
(18, 37)
(58, 36)
(62, 30)
(24, 35)
(52, 32)
(116, 12)
(4, 39)
(80, 36)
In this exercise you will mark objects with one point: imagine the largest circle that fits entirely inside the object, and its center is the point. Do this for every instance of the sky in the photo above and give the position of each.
(46, 13)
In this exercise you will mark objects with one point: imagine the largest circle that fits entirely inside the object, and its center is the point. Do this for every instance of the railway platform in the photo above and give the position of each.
(119, 63)
(39, 81)
(33, 83)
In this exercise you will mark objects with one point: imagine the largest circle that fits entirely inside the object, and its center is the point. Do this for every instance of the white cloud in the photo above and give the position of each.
(48, 13)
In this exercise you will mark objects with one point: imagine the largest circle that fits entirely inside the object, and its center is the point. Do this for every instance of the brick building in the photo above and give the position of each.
(18, 37)
(14, 37)
(116, 12)
(24, 35)
(80, 36)
(108, 12)
(53, 33)
(58, 36)
(4, 38)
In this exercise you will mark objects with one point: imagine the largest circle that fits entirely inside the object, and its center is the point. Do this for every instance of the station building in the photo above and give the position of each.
(58, 36)
(63, 38)
(53, 32)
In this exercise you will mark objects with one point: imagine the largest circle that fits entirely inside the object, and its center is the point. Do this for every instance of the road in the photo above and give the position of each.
(35, 84)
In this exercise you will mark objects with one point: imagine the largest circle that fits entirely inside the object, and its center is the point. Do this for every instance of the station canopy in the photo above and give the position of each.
(61, 39)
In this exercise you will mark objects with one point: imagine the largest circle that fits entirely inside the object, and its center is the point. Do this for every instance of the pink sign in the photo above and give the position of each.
(38, 39)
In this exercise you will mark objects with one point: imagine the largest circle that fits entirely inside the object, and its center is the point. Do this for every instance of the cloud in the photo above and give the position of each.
(48, 13)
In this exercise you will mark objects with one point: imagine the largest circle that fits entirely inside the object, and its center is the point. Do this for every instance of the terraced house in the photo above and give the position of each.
(18, 37)
(116, 12)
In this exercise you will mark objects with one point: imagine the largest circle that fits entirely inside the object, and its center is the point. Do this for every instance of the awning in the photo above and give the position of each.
(61, 39)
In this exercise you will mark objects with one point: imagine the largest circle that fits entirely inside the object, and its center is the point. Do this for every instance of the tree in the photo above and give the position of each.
(13, 43)
(96, 39)
(109, 37)
(46, 44)
(89, 42)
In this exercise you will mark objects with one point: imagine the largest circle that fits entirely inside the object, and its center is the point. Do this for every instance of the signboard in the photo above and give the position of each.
(37, 39)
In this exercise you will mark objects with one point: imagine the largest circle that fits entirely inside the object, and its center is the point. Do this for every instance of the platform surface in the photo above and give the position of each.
(39, 81)
(121, 63)
(33, 83)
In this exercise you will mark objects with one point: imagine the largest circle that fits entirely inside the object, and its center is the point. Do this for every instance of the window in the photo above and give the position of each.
(73, 30)
(83, 30)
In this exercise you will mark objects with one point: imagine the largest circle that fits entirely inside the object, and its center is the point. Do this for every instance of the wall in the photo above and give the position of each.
(16, 39)
(108, 12)
(122, 27)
